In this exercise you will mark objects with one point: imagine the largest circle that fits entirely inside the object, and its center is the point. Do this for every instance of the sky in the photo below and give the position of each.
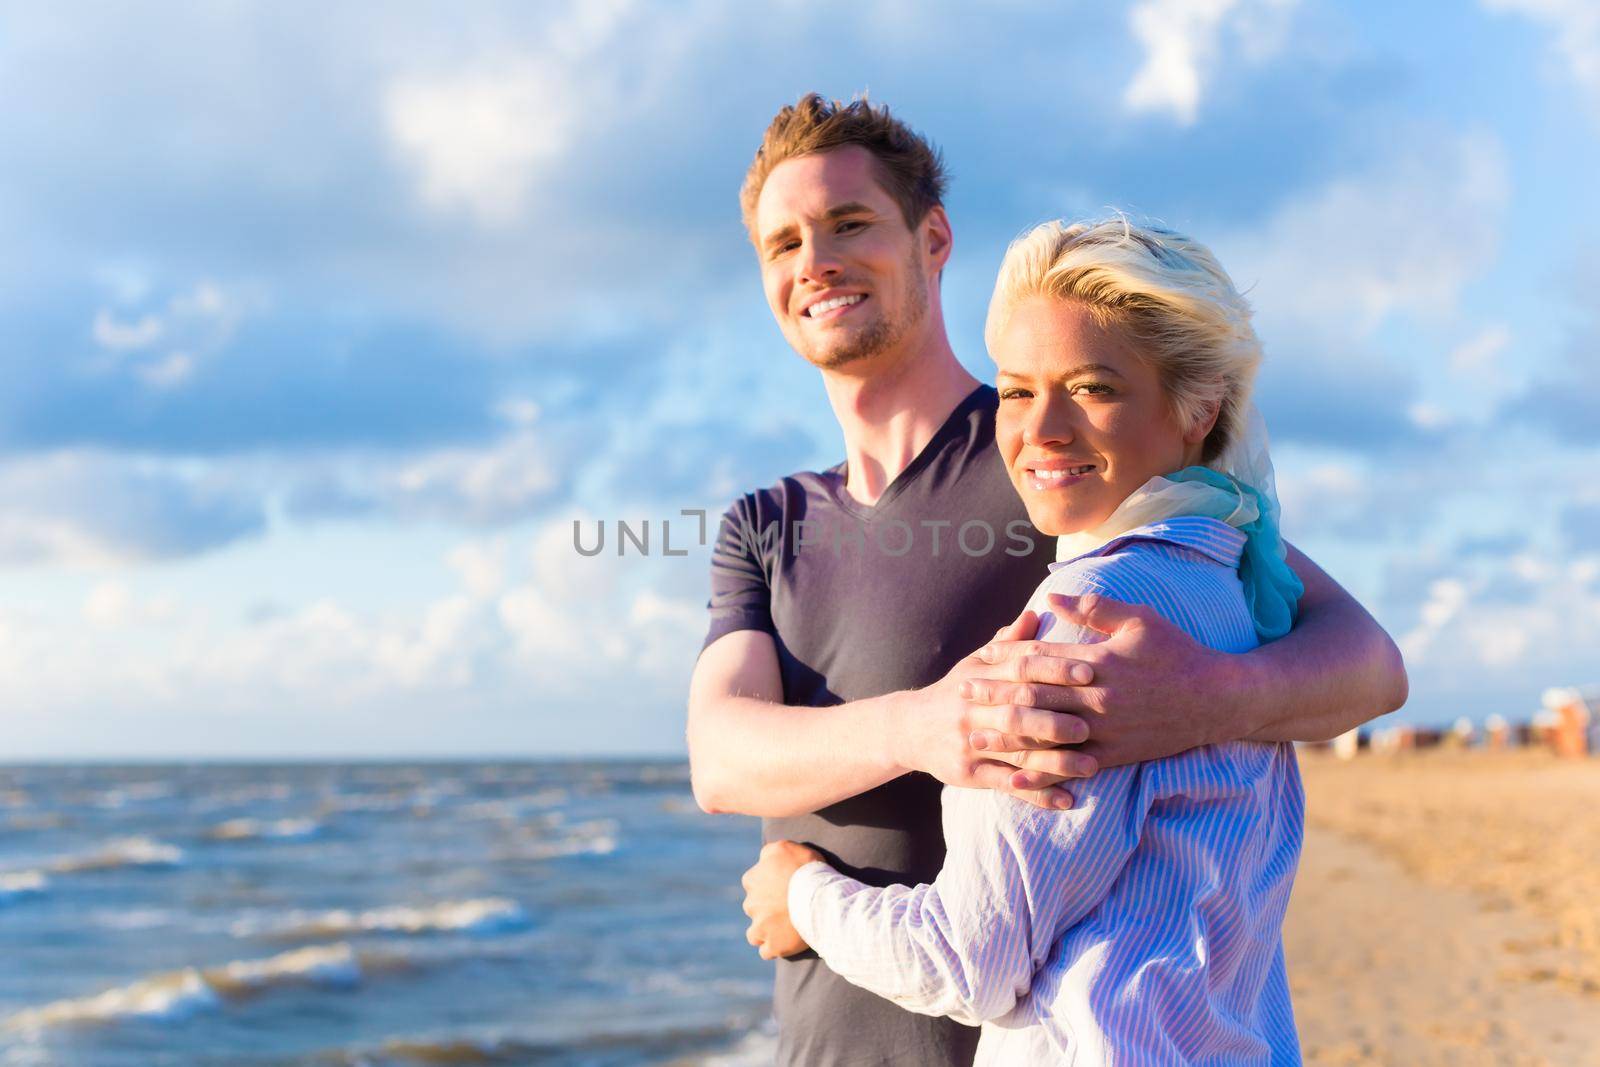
(323, 325)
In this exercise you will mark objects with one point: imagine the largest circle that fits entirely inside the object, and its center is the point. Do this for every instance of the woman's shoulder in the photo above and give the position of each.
(1170, 545)
(1185, 568)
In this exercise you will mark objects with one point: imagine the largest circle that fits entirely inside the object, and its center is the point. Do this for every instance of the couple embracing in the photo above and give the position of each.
(1013, 686)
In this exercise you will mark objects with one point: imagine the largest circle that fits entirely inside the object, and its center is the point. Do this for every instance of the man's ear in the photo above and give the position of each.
(937, 236)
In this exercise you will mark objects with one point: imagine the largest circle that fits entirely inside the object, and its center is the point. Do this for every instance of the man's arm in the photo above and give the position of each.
(751, 754)
(1334, 671)
(1157, 692)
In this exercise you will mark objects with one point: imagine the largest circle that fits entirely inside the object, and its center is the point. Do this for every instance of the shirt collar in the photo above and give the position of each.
(1210, 537)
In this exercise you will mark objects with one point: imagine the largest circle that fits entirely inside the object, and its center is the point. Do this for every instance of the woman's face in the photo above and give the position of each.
(1083, 420)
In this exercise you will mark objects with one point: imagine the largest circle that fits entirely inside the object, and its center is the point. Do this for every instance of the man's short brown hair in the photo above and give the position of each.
(910, 169)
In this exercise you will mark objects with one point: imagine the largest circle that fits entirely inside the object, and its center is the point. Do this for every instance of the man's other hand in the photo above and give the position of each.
(999, 722)
(766, 898)
(1155, 691)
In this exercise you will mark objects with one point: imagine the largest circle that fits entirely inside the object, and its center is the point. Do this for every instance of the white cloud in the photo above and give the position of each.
(113, 604)
(163, 347)
(113, 334)
(88, 508)
(481, 565)
(1479, 356)
(1404, 236)
(532, 626)
(1576, 27)
(1545, 635)
(479, 138)
(1181, 40)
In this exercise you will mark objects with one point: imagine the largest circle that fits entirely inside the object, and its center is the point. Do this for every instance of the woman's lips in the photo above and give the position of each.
(1056, 476)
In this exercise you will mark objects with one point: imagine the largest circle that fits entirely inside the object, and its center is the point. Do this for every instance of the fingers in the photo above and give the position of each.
(1000, 776)
(1039, 680)
(1022, 721)
(1022, 628)
(1098, 612)
(1052, 799)
(752, 935)
(1041, 768)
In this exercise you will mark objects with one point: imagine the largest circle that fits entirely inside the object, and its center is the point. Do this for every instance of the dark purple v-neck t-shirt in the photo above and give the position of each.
(863, 601)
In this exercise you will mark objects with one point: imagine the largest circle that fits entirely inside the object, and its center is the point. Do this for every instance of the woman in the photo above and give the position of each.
(1144, 925)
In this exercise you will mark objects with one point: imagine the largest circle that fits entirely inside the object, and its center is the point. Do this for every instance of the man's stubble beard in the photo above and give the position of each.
(883, 334)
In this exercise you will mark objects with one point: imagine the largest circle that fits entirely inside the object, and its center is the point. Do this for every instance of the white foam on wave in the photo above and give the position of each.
(393, 800)
(120, 852)
(162, 998)
(19, 884)
(265, 830)
(513, 807)
(136, 792)
(758, 1048)
(176, 995)
(597, 837)
(481, 916)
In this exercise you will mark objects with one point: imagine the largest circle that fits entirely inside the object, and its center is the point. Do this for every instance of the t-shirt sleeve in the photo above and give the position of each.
(741, 595)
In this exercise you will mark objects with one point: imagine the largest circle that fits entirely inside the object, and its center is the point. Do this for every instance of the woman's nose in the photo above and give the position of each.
(1047, 424)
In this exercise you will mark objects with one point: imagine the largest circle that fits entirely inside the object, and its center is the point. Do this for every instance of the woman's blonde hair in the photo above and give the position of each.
(1167, 290)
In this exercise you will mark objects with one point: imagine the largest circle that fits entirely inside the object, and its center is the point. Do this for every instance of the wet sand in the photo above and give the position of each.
(1447, 910)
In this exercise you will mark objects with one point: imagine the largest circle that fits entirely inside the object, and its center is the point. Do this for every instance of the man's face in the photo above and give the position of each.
(844, 276)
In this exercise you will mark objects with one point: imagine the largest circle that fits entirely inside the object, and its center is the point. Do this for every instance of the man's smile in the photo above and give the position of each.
(831, 307)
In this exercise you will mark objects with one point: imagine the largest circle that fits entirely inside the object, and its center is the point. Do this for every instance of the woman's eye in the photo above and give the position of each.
(1093, 388)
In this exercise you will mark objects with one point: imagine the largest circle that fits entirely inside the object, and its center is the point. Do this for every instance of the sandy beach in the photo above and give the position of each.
(1447, 910)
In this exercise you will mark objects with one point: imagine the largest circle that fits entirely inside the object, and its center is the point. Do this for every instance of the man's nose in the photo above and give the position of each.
(818, 262)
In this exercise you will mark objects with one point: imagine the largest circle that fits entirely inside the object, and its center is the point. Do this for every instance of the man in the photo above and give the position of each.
(844, 655)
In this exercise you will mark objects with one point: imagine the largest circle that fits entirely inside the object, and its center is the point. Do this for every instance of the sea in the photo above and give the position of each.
(374, 914)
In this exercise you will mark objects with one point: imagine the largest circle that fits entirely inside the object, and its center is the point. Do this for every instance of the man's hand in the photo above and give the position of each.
(1155, 692)
(766, 898)
(979, 724)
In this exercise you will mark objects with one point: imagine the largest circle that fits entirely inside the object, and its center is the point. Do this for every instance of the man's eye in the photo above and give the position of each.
(852, 224)
(1013, 393)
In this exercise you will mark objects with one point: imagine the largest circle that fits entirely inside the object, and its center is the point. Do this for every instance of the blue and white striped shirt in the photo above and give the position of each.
(1144, 925)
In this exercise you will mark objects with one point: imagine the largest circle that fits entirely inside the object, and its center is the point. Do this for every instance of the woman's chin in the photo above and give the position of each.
(1052, 522)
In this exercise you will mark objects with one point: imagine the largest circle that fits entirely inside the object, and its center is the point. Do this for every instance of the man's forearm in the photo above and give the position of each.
(1334, 671)
(755, 757)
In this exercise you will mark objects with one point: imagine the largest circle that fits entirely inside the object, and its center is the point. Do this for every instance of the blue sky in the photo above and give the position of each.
(323, 325)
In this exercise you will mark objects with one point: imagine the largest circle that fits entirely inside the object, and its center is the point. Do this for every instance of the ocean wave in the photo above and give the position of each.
(134, 793)
(646, 1044)
(513, 807)
(482, 916)
(595, 838)
(265, 830)
(19, 884)
(120, 852)
(176, 995)
(377, 803)
(758, 1048)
